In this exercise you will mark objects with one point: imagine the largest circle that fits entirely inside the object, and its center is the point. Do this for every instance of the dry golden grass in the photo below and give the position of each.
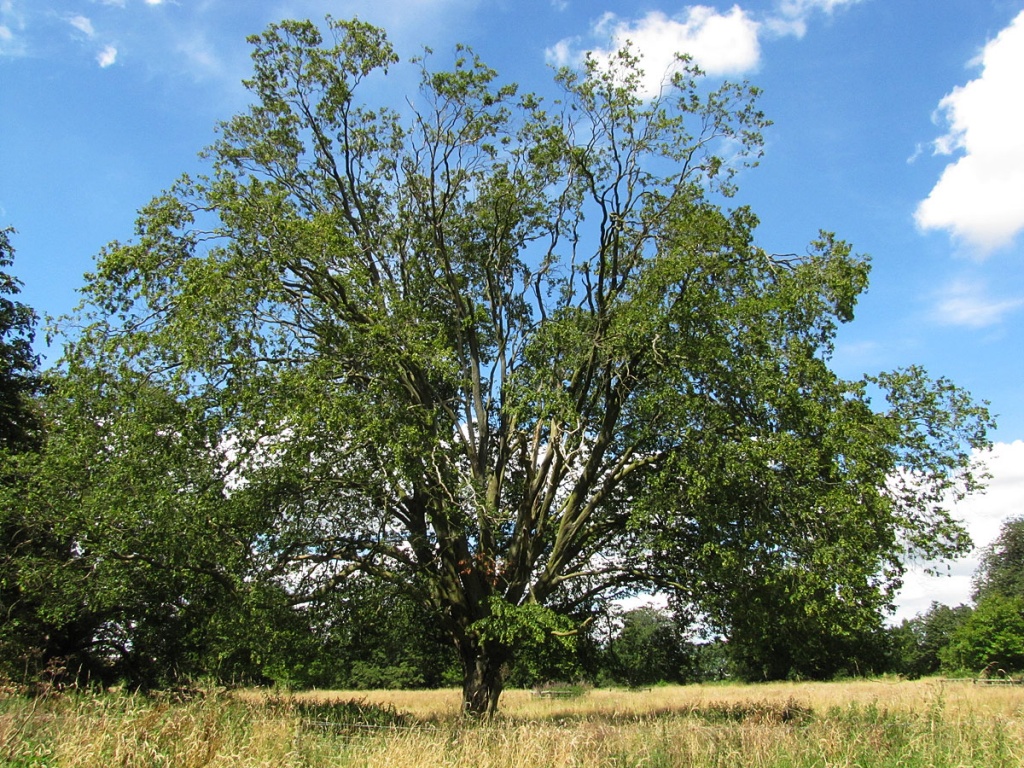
(860, 723)
(889, 694)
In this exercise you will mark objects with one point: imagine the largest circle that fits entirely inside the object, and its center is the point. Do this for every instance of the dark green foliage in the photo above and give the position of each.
(774, 638)
(991, 638)
(917, 645)
(711, 662)
(1001, 571)
(650, 647)
(992, 634)
(807, 600)
(965, 639)
(29, 640)
(371, 635)
(544, 642)
(137, 562)
(18, 361)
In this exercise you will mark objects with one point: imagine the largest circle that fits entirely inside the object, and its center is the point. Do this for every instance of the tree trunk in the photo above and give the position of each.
(482, 677)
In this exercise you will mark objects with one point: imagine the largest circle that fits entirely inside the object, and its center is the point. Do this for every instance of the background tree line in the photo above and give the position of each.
(387, 385)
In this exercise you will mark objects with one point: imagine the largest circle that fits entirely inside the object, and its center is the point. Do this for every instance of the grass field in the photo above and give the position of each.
(930, 723)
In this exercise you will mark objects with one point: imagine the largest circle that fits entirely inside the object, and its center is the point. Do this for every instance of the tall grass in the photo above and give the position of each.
(860, 724)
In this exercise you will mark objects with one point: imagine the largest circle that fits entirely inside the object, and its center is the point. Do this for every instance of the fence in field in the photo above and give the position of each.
(990, 676)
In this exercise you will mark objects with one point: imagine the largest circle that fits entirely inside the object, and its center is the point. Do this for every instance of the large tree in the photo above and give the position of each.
(21, 632)
(511, 355)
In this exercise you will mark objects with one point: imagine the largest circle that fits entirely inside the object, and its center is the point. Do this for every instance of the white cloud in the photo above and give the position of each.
(979, 198)
(967, 303)
(11, 23)
(983, 515)
(791, 16)
(721, 44)
(83, 25)
(563, 53)
(107, 56)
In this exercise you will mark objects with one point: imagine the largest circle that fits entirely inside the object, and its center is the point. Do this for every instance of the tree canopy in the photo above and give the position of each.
(18, 362)
(1001, 570)
(991, 636)
(920, 646)
(21, 541)
(513, 357)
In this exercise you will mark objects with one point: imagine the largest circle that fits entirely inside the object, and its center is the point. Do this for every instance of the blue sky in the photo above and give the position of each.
(897, 124)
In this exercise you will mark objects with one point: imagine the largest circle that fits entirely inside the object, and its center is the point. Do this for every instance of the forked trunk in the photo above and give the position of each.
(482, 678)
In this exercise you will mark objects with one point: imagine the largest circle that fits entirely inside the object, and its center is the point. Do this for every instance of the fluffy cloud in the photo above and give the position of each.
(107, 56)
(721, 44)
(983, 516)
(967, 303)
(980, 198)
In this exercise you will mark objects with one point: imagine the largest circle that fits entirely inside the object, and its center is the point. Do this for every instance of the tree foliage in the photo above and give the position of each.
(783, 635)
(372, 636)
(991, 638)
(501, 354)
(1001, 570)
(130, 552)
(18, 361)
(26, 639)
(650, 647)
(918, 645)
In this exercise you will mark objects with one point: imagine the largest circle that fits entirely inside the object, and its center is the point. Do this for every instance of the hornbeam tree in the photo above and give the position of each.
(514, 355)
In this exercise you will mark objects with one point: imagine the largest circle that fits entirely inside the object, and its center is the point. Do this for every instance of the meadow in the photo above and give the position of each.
(923, 723)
